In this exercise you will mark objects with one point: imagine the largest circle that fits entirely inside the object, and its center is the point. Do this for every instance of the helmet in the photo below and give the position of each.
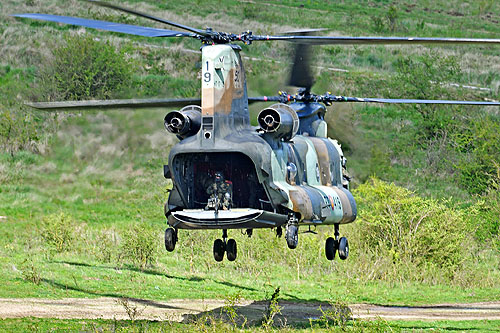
(219, 176)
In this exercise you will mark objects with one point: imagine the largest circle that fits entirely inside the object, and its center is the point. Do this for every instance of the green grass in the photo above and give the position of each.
(64, 325)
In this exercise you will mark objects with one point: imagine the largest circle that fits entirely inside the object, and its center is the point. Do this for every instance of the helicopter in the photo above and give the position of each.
(226, 174)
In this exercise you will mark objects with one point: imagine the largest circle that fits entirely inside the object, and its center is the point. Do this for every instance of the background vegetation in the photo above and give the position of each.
(81, 195)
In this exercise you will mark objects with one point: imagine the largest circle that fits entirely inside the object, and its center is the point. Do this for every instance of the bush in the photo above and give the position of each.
(19, 126)
(488, 220)
(84, 68)
(30, 272)
(421, 77)
(57, 231)
(479, 142)
(140, 245)
(389, 21)
(104, 245)
(415, 232)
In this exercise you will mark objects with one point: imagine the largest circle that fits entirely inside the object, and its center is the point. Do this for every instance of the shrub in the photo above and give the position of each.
(479, 143)
(19, 126)
(338, 314)
(487, 223)
(18, 131)
(140, 245)
(104, 246)
(389, 21)
(84, 68)
(414, 231)
(420, 77)
(57, 231)
(30, 272)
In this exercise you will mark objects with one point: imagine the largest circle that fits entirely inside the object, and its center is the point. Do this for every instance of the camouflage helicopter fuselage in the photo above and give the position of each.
(288, 167)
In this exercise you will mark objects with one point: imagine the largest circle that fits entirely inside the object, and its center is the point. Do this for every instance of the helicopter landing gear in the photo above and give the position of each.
(292, 232)
(330, 248)
(334, 244)
(223, 245)
(231, 250)
(279, 232)
(343, 248)
(219, 249)
(170, 239)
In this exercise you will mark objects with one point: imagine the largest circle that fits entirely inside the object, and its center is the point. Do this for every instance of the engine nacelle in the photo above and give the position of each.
(184, 123)
(279, 120)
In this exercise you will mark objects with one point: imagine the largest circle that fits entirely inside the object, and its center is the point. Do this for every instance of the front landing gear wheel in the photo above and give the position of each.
(292, 236)
(231, 250)
(170, 239)
(219, 249)
(343, 248)
(330, 248)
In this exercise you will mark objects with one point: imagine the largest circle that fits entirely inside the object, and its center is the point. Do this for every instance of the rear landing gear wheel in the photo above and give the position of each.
(292, 236)
(219, 249)
(343, 248)
(330, 248)
(170, 239)
(231, 250)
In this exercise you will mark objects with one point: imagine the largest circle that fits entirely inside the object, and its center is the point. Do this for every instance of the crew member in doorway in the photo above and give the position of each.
(220, 193)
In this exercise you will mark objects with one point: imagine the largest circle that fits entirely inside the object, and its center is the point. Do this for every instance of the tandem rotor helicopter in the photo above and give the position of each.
(226, 174)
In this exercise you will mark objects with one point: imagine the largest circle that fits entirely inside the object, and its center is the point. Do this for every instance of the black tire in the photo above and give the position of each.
(219, 249)
(343, 248)
(292, 236)
(231, 250)
(170, 239)
(330, 248)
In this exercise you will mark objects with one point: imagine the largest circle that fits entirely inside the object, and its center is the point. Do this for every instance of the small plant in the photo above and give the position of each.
(140, 245)
(230, 310)
(250, 11)
(132, 309)
(338, 315)
(272, 309)
(104, 246)
(57, 231)
(19, 127)
(387, 22)
(392, 18)
(378, 23)
(30, 272)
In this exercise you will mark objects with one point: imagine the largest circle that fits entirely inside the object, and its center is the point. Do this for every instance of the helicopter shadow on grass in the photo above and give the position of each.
(161, 274)
(287, 313)
(320, 315)
(293, 313)
(132, 269)
(142, 301)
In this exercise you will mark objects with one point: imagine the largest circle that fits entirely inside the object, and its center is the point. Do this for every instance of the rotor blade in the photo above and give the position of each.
(109, 26)
(409, 101)
(264, 99)
(323, 40)
(301, 71)
(116, 104)
(300, 75)
(150, 17)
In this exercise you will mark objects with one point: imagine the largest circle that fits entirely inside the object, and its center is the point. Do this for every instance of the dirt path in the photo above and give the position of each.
(182, 310)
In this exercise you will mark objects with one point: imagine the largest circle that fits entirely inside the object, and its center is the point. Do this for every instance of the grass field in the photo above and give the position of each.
(103, 170)
(54, 325)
